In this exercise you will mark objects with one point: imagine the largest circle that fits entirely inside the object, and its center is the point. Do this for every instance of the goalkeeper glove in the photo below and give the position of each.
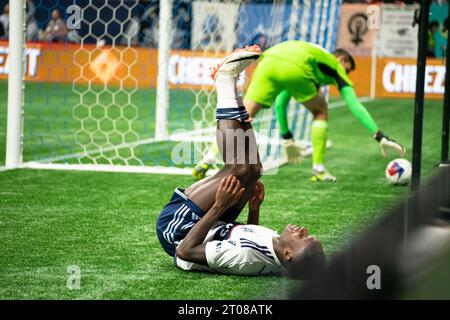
(291, 149)
(387, 143)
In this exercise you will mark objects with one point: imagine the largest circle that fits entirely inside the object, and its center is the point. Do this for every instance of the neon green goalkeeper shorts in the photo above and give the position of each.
(273, 75)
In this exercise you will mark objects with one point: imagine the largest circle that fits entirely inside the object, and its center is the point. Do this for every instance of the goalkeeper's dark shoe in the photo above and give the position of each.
(200, 170)
(236, 62)
(387, 143)
(322, 176)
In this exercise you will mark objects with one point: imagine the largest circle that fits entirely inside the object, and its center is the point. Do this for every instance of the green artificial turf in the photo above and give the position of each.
(104, 223)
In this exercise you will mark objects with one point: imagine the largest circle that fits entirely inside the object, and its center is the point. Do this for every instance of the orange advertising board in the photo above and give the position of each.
(396, 78)
(68, 63)
(116, 66)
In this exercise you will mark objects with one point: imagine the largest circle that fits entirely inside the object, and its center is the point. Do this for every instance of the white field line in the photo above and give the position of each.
(268, 169)
(109, 168)
(176, 137)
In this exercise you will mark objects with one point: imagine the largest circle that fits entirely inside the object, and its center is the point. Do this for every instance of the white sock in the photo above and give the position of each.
(226, 92)
(230, 104)
(319, 167)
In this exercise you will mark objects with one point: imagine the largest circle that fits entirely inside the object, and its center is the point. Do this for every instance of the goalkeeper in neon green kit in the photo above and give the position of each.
(299, 69)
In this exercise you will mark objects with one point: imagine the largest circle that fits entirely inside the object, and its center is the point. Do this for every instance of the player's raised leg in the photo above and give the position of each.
(291, 149)
(235, 136)
(230, 105)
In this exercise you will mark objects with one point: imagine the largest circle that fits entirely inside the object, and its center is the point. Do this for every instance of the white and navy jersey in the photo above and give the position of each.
(248, 250)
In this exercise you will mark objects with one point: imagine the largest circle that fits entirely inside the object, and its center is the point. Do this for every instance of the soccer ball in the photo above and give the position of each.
(398, 171)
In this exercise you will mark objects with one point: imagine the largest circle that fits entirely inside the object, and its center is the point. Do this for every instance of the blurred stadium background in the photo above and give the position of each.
(121, 85)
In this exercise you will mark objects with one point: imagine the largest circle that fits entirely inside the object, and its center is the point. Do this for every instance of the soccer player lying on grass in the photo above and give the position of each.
(250, 249)
(299, 69)
(197, 227)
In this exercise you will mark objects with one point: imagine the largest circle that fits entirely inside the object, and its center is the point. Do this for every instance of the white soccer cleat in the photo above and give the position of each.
(236, 62)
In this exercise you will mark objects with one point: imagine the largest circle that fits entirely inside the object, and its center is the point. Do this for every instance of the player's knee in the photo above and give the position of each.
(318, 107)
(321, 116)
(180, 253)
(256, 171)
(320, 113)
(240, 171)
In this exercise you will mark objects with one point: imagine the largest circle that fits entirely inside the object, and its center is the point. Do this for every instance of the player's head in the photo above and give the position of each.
(303, 254)
(346, 59)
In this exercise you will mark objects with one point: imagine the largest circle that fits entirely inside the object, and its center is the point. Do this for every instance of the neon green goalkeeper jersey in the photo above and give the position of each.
(301, 68)
(319, 65)
(296, 66)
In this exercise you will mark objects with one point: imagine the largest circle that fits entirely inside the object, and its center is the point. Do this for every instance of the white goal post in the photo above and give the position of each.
(14, 124)
(162, 91)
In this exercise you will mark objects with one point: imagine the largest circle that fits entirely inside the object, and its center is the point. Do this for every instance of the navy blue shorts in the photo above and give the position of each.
(176, 220)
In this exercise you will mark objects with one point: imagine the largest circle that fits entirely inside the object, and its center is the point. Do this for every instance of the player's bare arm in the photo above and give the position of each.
(192, 248)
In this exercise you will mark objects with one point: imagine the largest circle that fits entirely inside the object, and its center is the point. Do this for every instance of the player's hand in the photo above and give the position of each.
(257, 196)
(387, 144)
(229, 192)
